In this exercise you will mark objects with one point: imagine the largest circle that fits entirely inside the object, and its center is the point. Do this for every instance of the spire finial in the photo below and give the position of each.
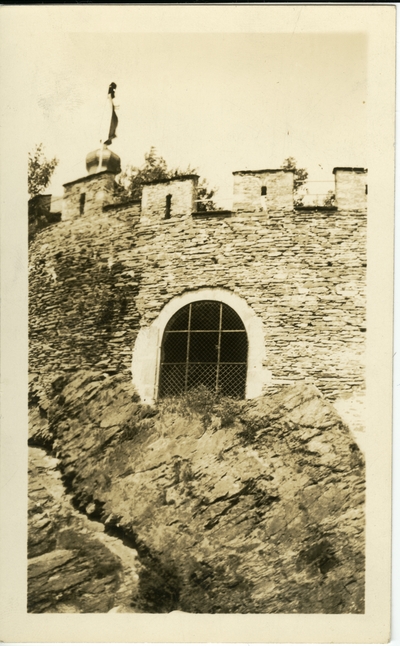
(114, 118)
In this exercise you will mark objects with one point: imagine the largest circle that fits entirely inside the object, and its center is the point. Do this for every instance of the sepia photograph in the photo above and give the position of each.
(199, 315)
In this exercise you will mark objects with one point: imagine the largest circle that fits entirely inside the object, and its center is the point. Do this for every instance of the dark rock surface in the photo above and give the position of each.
(72, 565)
(251, 507)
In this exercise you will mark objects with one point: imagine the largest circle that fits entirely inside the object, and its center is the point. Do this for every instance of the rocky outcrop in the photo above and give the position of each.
(73, 566)
(251, 507)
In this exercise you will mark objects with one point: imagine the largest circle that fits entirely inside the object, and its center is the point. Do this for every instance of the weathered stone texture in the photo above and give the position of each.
(83, 280)
(247, 187)
(303, 273)
(73, 566)
(95, 280)
(350, 188)
(98, 190)
(182, 192)
(233, 507)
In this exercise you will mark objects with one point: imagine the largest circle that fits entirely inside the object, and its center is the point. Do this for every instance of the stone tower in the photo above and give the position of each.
(87, 195)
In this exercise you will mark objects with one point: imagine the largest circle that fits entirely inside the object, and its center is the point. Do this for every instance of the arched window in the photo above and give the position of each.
(204, 343)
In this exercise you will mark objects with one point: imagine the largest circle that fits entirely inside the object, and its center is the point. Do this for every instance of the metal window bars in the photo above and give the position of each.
(204, 344)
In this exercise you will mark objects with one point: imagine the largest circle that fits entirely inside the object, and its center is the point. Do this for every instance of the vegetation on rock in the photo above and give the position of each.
(300, 174)
(40, 171)
(300, 179)
(130, 182)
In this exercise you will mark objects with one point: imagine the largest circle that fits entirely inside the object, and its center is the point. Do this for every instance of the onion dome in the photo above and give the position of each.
(101, 160)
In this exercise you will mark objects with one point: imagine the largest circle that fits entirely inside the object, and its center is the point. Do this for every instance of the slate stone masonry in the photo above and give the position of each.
(303, 273)
(88, 195)
(96, 279)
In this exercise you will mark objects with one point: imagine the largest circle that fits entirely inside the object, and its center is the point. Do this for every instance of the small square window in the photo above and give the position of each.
(263, 190)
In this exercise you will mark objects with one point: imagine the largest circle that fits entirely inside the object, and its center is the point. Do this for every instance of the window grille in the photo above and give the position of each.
(204, 344)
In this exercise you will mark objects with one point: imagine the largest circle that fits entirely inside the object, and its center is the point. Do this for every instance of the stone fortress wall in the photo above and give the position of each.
(107, 271)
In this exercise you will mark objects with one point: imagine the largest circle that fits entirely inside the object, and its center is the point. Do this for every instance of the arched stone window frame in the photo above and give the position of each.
(147, 349)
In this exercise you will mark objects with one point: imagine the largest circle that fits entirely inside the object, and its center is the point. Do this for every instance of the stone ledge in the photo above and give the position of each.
(121, 205)
(212, 214)
(178, 178)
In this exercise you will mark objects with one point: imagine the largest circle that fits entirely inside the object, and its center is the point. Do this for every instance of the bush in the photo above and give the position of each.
(206, 403)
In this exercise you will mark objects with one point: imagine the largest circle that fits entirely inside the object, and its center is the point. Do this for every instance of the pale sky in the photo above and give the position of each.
(219, 102)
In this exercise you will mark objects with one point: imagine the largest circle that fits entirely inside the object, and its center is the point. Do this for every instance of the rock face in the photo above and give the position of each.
(250, 507)
(72, 565)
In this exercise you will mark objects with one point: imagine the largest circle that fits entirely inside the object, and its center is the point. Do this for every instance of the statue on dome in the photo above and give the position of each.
(103, 159)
